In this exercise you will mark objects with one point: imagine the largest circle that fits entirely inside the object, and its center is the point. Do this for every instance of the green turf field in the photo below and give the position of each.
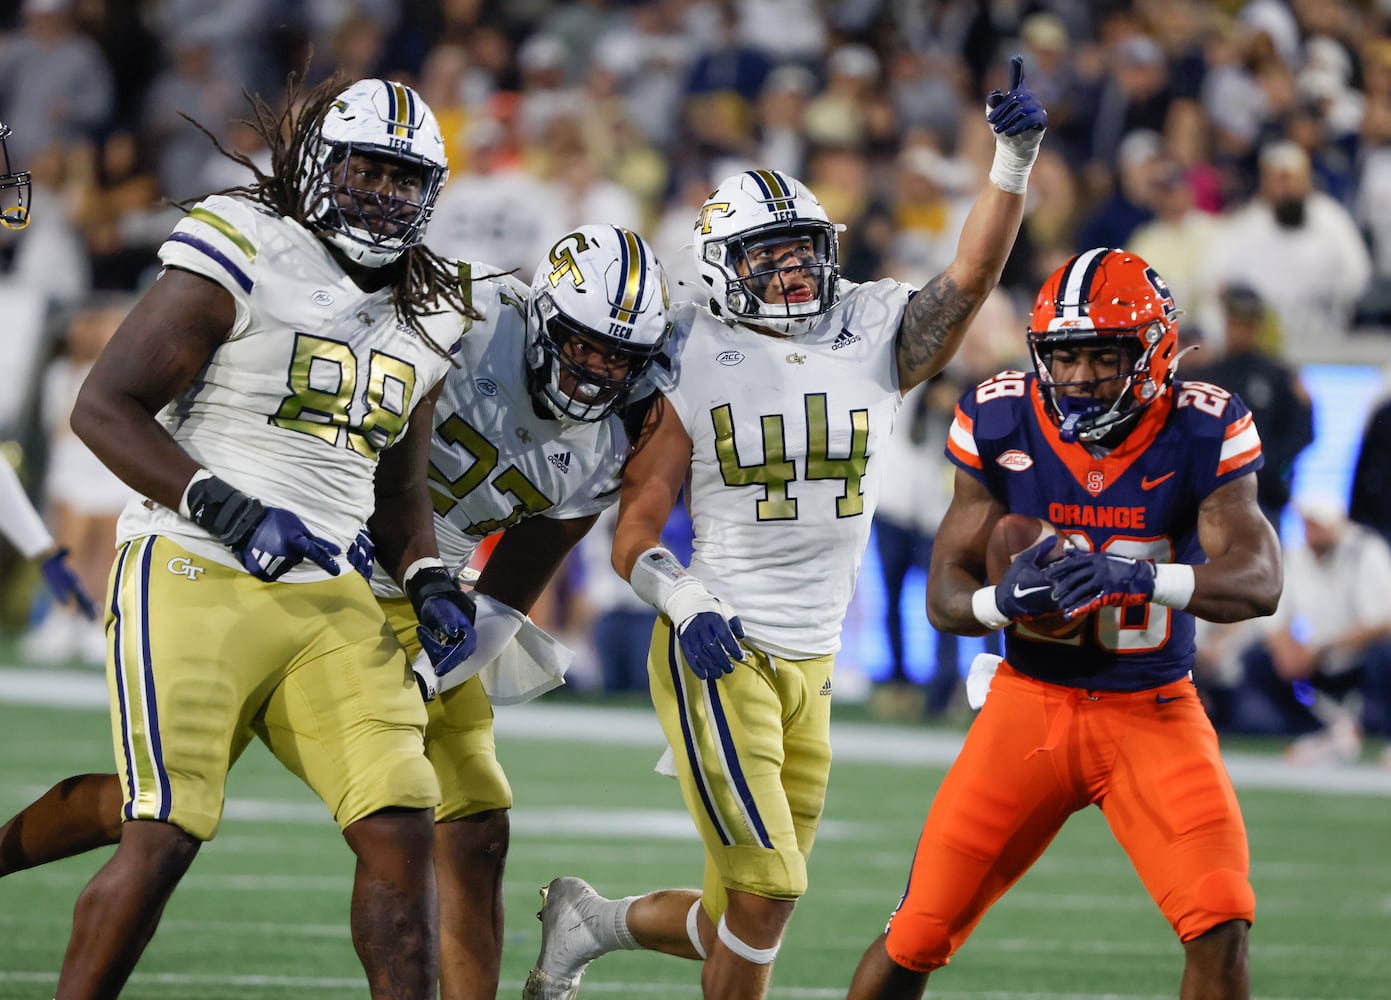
(263, 913)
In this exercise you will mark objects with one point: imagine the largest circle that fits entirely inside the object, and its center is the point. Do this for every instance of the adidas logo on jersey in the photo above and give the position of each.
(561, 460)
(845, 338)
(826, 688)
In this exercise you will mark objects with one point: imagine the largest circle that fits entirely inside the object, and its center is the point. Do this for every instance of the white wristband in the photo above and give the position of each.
(1173, 585)
(197, 477)
(1010, 169)
(985, 609)
(655, 576)
(420, 564)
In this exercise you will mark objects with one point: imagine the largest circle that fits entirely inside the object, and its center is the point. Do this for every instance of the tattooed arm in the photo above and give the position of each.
(936, 319)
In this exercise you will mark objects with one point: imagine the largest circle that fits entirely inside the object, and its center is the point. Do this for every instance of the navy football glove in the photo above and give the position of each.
(445, 614)
(64, 584)
(360, 554)
(1089, 580)
(1024, 592)
(1017, 111)
(710, 643)
(270, 541)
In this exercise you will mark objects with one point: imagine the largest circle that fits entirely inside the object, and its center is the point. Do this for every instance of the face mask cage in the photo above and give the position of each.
(595, 395)
(405, 220)
(1087, 418)
(804, 250)
(16, 188)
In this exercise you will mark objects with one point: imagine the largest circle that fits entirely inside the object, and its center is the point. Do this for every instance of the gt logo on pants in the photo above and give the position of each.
(180, 566)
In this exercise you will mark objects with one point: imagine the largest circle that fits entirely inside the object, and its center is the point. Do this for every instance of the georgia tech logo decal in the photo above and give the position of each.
(729, 358)
(181, 566)
(796, 359)
(709, 209)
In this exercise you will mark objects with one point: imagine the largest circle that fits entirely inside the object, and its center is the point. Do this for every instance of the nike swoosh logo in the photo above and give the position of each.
(1147, 483)
(1160, 698)
(1026, 593)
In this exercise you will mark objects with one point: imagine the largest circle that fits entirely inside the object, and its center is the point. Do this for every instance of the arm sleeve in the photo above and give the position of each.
(19, 521)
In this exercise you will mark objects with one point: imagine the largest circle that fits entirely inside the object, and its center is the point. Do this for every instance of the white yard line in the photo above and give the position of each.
(861, 742)
(592, 987)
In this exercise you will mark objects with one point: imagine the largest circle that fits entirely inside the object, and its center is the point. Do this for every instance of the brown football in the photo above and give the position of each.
(1012, 534)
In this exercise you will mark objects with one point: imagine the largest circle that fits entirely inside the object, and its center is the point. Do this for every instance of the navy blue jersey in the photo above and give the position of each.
(1140, 500)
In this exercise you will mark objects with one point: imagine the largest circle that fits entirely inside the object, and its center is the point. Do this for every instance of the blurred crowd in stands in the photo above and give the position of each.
(1243, 147)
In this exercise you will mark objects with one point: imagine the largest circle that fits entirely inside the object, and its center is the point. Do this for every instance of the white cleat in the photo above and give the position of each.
(568, 941)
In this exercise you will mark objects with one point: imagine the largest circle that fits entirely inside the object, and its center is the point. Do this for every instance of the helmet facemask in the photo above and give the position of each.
(597, 319)
(380, 125)
(798, 261)
(1089, 418)
(16, 188)
(744, 216)
(554, 361)
(374, 228)
(1113, 300)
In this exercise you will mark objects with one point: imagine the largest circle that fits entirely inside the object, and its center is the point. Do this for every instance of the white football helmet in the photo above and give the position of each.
(384, 120)
(15, 188)
(744, 236)
(601, 297)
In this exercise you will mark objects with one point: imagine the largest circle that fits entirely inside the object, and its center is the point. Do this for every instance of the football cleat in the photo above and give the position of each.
(568, 941)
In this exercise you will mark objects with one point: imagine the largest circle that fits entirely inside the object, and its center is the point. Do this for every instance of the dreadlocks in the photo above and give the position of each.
(422, 282)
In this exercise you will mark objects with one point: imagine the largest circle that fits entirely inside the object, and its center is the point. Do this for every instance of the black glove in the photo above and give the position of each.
(270, 541)
(445, 614)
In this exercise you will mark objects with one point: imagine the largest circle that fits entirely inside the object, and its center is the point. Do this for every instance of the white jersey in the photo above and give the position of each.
(314, 380)
(494, 460)
(786, 435)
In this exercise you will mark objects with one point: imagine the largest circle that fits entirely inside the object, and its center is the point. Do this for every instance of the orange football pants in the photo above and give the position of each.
(1038, 753)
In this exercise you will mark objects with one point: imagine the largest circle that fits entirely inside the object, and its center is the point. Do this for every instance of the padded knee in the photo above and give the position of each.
(1219, 896)
(920, 944)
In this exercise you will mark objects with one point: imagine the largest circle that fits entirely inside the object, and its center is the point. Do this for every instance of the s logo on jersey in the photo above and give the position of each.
(1015, 460)
(729, 358)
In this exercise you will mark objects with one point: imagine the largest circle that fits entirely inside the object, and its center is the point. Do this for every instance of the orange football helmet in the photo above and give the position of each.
(1105, 297)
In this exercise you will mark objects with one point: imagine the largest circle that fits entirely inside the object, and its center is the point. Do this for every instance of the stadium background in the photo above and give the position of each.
(629, 112)
(604, 110)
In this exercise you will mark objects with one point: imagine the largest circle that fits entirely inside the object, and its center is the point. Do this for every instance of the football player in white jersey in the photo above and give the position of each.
(786, 387)
(272, 389)
(529, 443)
(20, 523)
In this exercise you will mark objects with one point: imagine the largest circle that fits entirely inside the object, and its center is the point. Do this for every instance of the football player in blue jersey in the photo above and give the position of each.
(1152, 482)
(269, 392)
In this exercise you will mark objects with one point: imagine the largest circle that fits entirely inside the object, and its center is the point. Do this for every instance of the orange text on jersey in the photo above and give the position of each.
(1070, 515)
